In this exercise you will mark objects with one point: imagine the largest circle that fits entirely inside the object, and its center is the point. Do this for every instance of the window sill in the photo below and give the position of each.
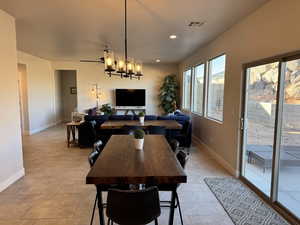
(197, 114)
(214, 120)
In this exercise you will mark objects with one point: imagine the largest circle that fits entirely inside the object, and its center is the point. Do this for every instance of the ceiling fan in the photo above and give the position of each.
(100, 60)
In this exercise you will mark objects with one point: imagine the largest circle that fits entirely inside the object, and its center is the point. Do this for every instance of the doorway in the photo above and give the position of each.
(271, 130)
(65, 94)
(23, 98)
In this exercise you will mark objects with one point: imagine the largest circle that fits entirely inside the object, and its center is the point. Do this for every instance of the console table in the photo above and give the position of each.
(71, 129)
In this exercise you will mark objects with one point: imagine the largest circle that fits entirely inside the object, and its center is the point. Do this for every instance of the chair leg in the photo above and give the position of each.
(179, 208)
(156, 222)
(109, 222)
(92, 219)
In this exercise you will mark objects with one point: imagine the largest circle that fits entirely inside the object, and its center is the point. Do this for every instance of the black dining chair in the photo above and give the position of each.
(184, 137)
(182, 158)
(174, 145)
(98, 146)
(92, 158)
(134, 207)
(156, 130)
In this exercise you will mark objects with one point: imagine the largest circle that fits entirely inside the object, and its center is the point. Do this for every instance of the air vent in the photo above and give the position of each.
(196, 24)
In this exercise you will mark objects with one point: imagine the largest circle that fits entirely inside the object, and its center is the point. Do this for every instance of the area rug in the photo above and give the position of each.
(242, 205)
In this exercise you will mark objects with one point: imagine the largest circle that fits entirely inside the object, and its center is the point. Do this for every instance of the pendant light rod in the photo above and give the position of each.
(131, 69)
(126, 61)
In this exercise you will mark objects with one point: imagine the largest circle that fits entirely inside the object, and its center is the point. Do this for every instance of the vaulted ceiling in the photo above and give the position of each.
(79, 29)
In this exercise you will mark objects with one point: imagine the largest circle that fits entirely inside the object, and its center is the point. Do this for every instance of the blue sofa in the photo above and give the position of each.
(90, 132)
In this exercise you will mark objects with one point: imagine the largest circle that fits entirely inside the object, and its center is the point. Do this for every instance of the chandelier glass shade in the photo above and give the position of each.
(122, 66)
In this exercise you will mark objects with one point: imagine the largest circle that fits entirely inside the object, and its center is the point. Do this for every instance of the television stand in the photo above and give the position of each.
(134, 111)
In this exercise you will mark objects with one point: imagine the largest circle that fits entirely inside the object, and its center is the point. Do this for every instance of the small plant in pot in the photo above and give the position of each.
(142, 117)
(139, 135)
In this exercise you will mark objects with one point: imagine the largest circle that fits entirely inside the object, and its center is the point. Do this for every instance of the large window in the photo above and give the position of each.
(198, 89)
(215, 94)
(187, 79)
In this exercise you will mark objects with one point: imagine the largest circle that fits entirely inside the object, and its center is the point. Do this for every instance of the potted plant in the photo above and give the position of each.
(142, 117)
(139, 135)
(106, 109)
(169, 94)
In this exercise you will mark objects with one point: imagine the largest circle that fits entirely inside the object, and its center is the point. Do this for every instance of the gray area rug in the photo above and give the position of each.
(242, 205)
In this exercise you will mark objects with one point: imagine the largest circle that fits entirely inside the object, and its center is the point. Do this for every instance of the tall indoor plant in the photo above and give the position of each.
(169, 94)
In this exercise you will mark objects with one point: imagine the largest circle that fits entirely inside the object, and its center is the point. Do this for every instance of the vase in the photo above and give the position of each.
(138, 143)
(142, 120)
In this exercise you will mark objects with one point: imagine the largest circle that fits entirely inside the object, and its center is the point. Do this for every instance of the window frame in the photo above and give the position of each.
(204, 90)
(184, 87)
(208, 66)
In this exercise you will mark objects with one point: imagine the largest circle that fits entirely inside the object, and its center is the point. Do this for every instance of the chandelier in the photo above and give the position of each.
(122, 66)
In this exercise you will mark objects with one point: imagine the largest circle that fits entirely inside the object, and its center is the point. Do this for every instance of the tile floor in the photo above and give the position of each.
(54, 192)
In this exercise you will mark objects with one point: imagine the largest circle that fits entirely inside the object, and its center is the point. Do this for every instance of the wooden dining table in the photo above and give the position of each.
(118, 124)
(121, 163)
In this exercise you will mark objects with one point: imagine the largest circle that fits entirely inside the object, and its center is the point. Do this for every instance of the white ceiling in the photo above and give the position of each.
(79, 29)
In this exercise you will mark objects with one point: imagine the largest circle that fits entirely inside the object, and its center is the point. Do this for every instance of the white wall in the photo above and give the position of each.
(273, 29)
(11, 159)
(91, 73)
(41, 92)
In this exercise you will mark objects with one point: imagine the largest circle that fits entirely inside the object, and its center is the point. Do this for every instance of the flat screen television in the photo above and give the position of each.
(131, 97)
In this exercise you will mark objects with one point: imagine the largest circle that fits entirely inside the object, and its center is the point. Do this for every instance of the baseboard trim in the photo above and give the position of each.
(5, 184)
(217, 157)
(34, 131)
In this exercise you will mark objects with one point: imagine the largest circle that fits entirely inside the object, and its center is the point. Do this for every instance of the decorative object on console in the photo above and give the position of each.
(142, 117)
(106, 109)
(124, 67)
(77, 117)
(169, 94)
(139, 135)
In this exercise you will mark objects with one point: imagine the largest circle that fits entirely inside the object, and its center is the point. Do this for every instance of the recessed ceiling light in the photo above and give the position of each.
(158, 60)
(173, 36)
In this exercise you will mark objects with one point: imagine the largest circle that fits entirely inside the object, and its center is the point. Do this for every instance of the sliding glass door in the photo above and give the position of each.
(270, 126)
(289, 157)
(259, 124)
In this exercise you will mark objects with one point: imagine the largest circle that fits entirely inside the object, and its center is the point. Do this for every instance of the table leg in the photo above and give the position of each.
(100, 207)
(172, 207)
(68, 136)
(73, 134)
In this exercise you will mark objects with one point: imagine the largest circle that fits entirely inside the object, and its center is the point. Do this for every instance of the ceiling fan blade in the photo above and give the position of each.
(84, 60)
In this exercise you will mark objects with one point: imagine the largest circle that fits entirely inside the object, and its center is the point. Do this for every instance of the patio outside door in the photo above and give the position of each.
(259, 125)
(271, 130)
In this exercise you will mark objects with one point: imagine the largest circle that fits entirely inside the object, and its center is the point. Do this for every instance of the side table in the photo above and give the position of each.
(71, 129)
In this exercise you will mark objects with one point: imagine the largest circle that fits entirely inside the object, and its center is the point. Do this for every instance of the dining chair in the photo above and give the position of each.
(137, 206)
(98, 146)
(174, 145)
(92, 158)
(182, 158)
(156, 130)
(184, 136)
